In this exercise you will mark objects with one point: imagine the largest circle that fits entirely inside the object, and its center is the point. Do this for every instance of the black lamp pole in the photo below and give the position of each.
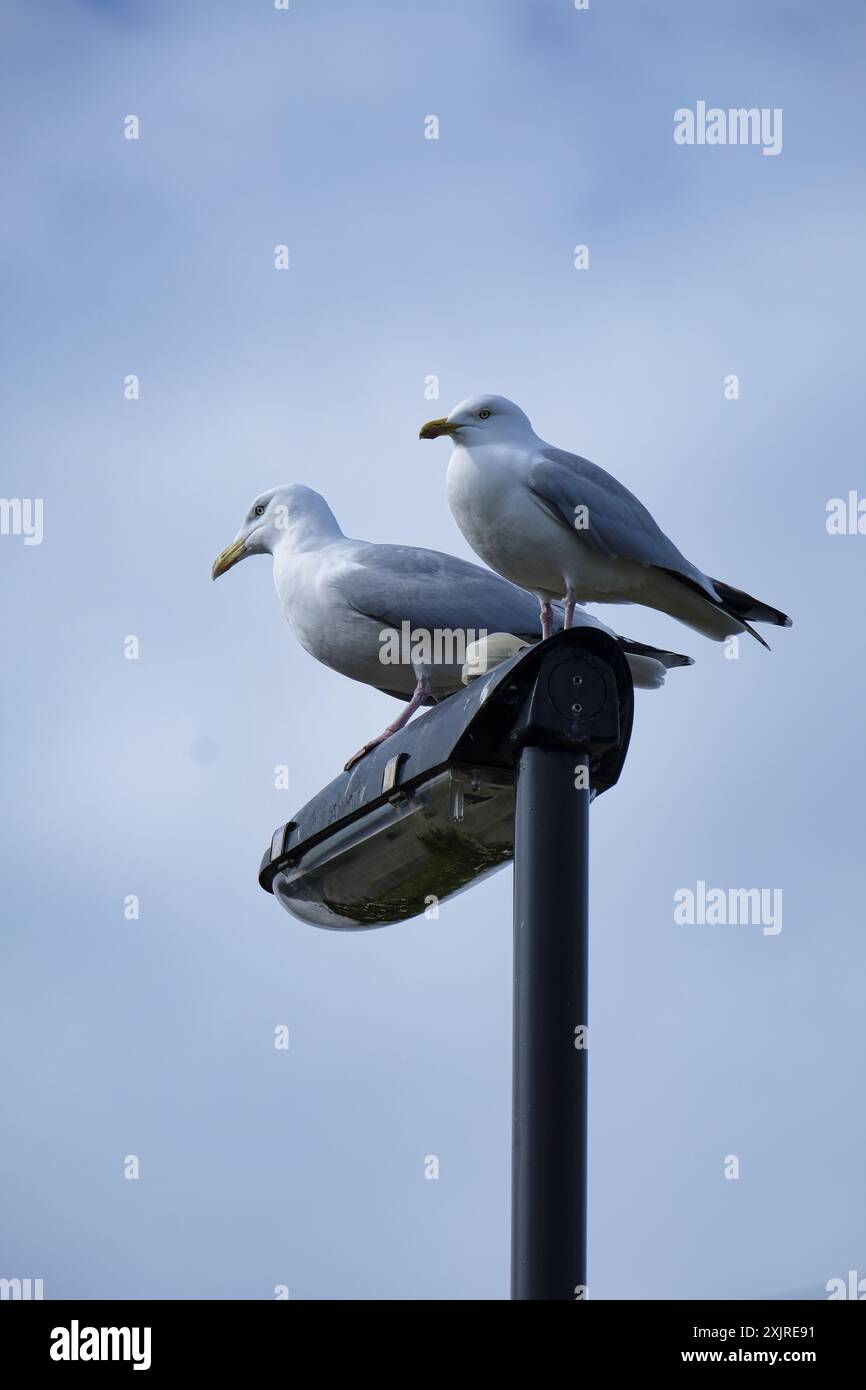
(549, 1180)
(559, 716)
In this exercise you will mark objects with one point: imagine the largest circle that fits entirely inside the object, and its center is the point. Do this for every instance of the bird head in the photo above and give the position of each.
(291, 514)
(480, 420)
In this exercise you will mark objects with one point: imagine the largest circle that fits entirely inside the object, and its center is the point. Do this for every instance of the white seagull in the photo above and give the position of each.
(347, 600)
(558, 525)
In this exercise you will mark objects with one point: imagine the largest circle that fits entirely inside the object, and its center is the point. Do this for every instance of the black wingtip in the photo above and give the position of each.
(668, 659)
(747, 608)
(757, 636)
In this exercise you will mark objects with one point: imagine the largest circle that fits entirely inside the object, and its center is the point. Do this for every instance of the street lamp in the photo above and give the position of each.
(503, 770)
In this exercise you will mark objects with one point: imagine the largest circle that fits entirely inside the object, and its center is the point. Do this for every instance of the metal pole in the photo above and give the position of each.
(548, 1182)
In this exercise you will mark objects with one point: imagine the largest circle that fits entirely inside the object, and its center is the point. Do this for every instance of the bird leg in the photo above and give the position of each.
(420, 694)
(546, 619)
(569, 609)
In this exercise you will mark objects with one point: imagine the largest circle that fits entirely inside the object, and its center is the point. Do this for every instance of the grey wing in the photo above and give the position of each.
(617, 524)
(430, 590)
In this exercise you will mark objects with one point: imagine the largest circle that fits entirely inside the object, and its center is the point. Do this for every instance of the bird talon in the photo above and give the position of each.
(356, 757)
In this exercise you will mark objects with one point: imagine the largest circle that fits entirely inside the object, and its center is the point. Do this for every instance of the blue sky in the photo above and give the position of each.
(412, 257)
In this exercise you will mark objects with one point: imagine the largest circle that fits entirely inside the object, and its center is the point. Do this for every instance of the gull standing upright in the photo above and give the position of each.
(345, 600)
(558, 525)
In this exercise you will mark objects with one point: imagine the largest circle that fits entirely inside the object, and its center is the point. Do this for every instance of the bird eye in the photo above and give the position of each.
(484, 414)
(260, 511)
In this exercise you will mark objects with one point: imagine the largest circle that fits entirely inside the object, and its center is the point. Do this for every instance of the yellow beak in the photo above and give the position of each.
(434, 428)
(227, 558)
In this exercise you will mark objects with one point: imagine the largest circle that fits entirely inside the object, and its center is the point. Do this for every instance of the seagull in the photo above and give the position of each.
(558, 525)
(349, 602)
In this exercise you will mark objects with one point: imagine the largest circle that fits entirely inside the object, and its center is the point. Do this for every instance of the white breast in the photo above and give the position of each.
(335, 633)
(515, 535)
